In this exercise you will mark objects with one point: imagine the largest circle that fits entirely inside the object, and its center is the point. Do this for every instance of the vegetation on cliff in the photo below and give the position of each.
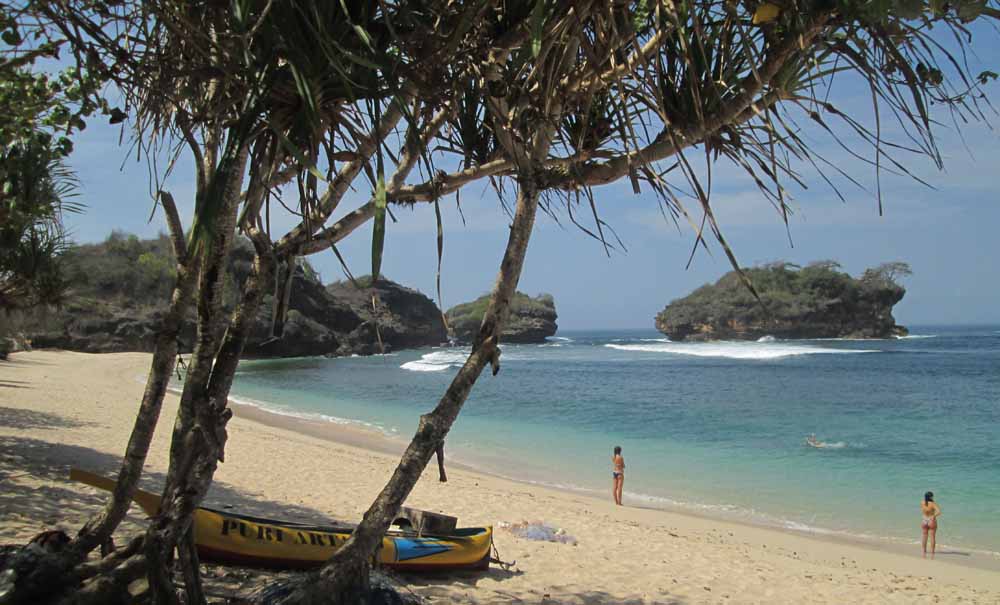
(815, 301)
(117, 291)
(530, 319)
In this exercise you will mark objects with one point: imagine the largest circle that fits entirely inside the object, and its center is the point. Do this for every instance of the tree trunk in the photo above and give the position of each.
(442, 476)
(205, 441)
(189, 436)
(40, 580)
(98, 530)
(344, 578)
(190, 568)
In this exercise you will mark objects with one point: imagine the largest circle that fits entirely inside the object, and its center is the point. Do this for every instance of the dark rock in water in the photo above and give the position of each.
(404, 317)
(531, 320)
(339, 320)
(316, 324)
(816, 301)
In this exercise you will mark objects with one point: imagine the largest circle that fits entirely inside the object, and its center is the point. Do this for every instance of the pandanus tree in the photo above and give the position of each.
(39, 113)
(37, 190)
(290, 104)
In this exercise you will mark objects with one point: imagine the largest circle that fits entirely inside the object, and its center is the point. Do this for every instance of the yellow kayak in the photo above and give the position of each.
(224, 537)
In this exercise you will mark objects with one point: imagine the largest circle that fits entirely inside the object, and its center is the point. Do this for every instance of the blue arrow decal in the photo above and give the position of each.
(407, 549)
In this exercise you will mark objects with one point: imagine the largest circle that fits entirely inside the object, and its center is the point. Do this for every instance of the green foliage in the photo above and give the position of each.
(38, 108)
(310, 272)
(39, 113)
(887, 273)
(35, 188)
(469, 315)
(123, 270)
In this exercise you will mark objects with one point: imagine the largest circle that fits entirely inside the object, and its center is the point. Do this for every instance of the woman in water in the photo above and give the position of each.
(930, 511)
(617, 474)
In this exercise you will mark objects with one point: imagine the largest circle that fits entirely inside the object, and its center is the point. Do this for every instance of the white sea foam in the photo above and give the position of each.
(438, 361)
(654, 340)
(736, 350)
(916, 336)
(279, 411)
(443, 359)
(560, 338)
(419, 366)
(767, 338)
(828, 445)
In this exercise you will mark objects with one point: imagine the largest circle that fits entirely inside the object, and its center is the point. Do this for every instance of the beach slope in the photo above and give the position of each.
(63, 409)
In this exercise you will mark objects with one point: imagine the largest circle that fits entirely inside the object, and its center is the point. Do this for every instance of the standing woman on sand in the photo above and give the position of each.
(618, 474)
(931, 511)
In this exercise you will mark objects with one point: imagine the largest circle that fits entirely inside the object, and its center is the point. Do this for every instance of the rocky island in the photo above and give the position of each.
(815, 301)
(531, 320)
(119, 288)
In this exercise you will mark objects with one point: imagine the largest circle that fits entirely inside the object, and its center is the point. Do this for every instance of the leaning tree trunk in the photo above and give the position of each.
(344, 579)
(98, 530)
(191, 433)
(54, 572)
(206, 439)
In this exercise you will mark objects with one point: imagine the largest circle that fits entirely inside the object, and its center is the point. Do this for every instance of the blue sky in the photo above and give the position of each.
(948, 234)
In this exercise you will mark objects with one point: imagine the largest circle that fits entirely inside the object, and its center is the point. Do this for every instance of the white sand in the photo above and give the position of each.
(61, 409)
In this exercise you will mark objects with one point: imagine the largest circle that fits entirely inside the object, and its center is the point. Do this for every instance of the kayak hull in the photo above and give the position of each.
(224, 537)
(237, 539)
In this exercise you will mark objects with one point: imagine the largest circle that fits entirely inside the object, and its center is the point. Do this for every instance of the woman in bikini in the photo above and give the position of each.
(929, 524)
(617, 474)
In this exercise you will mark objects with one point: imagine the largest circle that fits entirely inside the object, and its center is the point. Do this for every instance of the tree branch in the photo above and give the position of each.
(331, 198)
(414, 147)
(175, 227)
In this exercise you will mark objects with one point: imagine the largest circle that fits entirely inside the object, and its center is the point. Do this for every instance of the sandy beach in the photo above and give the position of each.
(62, 409)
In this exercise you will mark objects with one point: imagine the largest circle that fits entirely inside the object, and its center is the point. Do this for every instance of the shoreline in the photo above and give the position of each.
(61, 409)
(373, 440)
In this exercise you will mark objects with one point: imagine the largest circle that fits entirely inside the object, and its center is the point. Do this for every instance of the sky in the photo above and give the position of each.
(948, 232)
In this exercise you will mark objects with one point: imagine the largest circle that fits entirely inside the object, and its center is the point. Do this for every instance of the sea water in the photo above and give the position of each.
(716, 428)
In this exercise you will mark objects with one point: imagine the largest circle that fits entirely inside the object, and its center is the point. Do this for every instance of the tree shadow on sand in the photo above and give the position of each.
(446, 586)
(36, 494)
(22, 419)
(35, 487)
(444, 589)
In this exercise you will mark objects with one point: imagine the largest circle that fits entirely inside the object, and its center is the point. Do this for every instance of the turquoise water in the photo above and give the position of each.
(717, 428)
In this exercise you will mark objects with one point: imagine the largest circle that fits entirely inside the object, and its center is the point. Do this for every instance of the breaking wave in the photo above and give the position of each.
(438, 361)
(441, 360)
(736, 350)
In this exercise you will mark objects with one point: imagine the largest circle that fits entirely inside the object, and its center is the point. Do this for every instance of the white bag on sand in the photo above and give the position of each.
(538, 530)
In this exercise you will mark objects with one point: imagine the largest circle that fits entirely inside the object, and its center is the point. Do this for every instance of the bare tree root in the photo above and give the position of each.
(35, 575)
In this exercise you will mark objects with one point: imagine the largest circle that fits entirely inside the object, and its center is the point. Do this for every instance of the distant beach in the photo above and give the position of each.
(59, 409)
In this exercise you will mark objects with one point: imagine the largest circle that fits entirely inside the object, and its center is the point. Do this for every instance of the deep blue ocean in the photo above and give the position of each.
(715, 428)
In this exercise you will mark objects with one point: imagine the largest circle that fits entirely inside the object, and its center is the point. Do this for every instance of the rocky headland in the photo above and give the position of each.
(815, 301)
(120, 288)
(531, 320)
